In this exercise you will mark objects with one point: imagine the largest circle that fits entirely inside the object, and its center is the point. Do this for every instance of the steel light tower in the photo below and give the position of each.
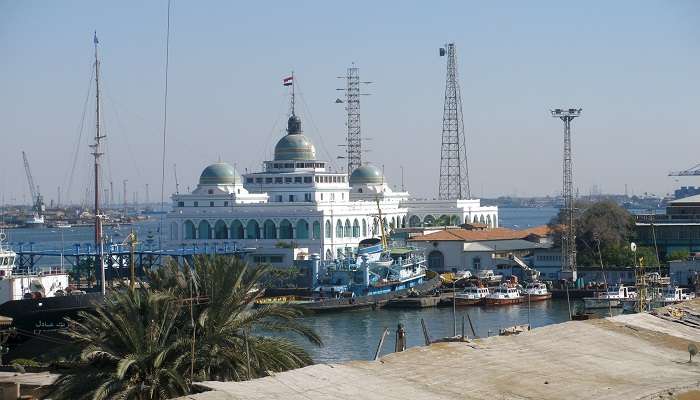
(568, 238)
(352, 107)
(454, 171)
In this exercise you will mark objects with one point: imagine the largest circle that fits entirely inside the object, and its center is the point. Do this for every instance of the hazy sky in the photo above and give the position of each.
(634, 67)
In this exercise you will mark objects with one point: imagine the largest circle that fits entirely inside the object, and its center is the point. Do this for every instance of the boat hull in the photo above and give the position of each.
(462, 302)
(592, 303)
(538, 297)
(488, 301)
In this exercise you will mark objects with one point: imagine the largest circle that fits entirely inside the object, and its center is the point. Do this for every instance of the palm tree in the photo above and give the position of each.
(223, 343)
(193, 323)
(129, 349)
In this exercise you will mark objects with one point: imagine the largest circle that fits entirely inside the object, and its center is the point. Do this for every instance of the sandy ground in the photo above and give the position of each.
(638, 356)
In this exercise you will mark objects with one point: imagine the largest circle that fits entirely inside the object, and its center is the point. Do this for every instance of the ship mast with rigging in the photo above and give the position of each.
(96, 152)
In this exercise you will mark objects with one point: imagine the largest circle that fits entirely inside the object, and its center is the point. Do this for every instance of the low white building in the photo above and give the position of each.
(297, 201)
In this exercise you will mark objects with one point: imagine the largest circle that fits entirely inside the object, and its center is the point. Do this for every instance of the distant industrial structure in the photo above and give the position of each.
(454, 170)
(568, 238)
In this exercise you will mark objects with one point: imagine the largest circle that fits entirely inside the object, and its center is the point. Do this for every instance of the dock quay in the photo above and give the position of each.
(635, 356)
(413, 302)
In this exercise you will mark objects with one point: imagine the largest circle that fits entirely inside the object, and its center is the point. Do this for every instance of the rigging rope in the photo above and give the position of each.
(80, 137)
(165, 127)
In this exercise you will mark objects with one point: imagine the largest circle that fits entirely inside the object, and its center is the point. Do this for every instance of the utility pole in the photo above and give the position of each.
(568, 238)
(352, 107)
(454, 169)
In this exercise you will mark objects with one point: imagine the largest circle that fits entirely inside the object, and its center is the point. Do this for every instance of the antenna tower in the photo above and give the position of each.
(568, 238)
(454, 171)
(352, 107)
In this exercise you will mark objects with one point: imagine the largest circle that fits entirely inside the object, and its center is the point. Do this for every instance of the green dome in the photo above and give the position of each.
(366, 174)
(219, 174)
(295, 147)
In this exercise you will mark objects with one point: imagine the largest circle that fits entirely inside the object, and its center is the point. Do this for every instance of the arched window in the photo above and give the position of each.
(329, 229)
(316, 230)
(189, 231)
(482, 219)
(364, 227)
(488, 221)
(269, 230)
(339, 229)
(429, 220)
(392, 224)
(356, 228)
(204, 230)
(476, 220)
(443, 220)
(329, 254)
(375, 227)
(403, 221)
(302, 229)
(286, 231)
(252, 229)
(173, 231)
(220, 230)
(454, 220)
(436, 260)
(414, 221)
(236, 230)
(348, 228)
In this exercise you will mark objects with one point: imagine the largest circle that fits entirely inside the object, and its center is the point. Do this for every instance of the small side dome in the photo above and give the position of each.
(366, 175)
(219, 174)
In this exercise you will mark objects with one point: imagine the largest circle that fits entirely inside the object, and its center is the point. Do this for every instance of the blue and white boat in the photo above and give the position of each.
(373, 270)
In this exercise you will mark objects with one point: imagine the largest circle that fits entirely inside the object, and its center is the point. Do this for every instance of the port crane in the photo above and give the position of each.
(692, 171)
(37, 199)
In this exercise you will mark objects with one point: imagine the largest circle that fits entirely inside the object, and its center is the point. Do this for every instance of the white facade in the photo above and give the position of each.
(297, 200)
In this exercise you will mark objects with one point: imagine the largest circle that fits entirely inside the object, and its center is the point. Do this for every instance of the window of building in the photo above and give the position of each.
(210, 191)
(300, 165)
(342, 196)
(289, 165)
(268, 180)
(196, 204)
(259, 259)
(225, 203)
(278, 180)
(277, 165)
(359, 190)
(317, 179)
(321, 196)
(476, 263)
(276, 259)
(258, 180)
(248, 180)
(211, 204)
(180, 203)
(291, 198)
(279, 198)
(297, 179)
(288, 180)
(307, 196)
(307, 179)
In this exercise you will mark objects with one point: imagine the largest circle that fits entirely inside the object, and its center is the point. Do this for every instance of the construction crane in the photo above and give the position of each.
(177, 184)
(37, 200)
(692, 171)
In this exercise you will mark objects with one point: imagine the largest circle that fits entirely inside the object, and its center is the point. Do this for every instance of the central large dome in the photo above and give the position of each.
(294, 146)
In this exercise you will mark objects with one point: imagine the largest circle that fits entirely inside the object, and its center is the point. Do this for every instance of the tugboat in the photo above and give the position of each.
(505, 294)
(471, 296)
(613, 297)
(536, 291)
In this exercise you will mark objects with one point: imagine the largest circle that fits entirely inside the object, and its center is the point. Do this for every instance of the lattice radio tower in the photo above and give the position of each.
(352, 107)
(568, 238)
(454, 170)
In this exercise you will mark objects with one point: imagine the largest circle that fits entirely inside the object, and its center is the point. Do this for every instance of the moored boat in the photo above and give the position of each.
(471, 296)
(504, 294)
(613, 297)
(536, 291)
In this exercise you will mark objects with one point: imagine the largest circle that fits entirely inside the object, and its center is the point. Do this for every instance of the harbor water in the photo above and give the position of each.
(352, 335)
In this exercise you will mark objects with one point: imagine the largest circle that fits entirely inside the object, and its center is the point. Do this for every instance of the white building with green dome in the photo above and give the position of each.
(298, 200)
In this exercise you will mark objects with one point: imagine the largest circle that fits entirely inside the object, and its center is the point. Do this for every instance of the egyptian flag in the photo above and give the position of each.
(288, 81)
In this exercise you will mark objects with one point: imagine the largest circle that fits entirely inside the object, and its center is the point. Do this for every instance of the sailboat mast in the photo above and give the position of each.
(97, 154)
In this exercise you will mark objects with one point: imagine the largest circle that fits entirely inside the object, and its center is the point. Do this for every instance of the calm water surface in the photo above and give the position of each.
(354, 335)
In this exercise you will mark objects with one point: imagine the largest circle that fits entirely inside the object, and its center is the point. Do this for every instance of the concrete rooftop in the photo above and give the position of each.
(639, 356)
